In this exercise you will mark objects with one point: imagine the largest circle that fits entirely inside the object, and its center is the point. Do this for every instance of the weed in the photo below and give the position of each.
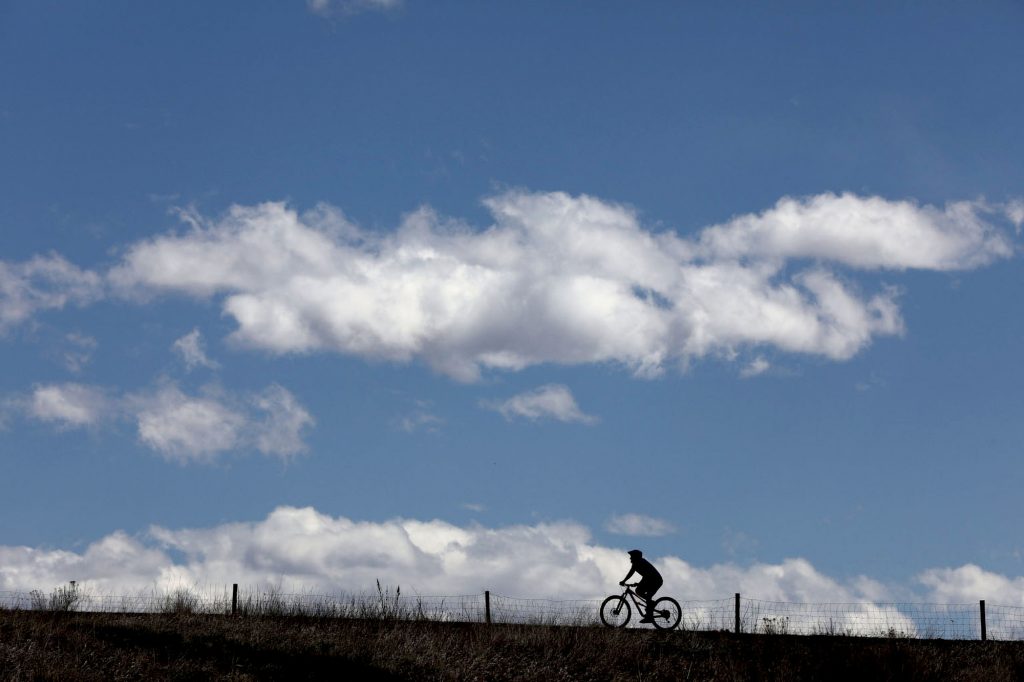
(775, 626)
(64, 598)
(181, 601)
(388, 604)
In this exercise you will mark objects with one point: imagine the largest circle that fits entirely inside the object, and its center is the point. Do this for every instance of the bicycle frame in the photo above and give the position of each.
(639, 602)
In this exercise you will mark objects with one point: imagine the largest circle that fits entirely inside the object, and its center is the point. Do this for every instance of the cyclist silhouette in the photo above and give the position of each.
(650, 580)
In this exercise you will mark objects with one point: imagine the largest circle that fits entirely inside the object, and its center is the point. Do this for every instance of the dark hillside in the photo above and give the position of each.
(69, 646)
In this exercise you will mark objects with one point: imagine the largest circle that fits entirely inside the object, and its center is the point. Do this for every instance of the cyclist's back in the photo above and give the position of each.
(645, 568)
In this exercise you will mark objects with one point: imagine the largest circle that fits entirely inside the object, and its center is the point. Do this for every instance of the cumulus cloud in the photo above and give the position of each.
(279, 431)
(179, 426)
(184, 427)
(302, 549)
(638, 524)
(117, 562)
(553, 279)
(862, 232)
(302, 546)
(187, 428)
(552, 401)
(562, 279)
(190, 349)
(969, 583)
(43, 283)
(69, 405)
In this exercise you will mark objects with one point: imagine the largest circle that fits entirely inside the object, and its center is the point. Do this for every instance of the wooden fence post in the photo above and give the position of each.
(984, 633)
(487, 606)
(234, 599)
(737, 613)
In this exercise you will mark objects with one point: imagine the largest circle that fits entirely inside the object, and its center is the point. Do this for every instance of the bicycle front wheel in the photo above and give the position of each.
(667, 613)
(615, 611)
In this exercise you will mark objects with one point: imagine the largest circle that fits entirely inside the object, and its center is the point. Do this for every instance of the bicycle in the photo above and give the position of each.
(615, 610)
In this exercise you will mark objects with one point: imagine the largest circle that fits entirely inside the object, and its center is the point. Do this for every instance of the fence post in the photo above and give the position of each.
(984, 634)
(234, 599)
(737, 613)
(487, 606)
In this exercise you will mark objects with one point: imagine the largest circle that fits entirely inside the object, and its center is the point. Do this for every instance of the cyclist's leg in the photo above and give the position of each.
(647, 589)
(644, 591)
(655, 586)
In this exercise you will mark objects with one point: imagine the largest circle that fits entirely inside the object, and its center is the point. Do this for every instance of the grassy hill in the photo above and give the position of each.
(103, 646)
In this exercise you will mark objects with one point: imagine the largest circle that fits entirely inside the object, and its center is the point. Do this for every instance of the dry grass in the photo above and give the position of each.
(182, 645)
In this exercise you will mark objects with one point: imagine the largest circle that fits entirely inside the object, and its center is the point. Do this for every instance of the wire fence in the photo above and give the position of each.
(928, 621)
(255, 602)
(893, 620)
(862, 619)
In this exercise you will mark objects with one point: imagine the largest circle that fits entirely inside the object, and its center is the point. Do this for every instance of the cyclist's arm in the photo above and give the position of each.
(628, 576)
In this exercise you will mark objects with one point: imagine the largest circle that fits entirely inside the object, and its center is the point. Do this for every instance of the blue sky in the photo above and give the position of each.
(729, 283)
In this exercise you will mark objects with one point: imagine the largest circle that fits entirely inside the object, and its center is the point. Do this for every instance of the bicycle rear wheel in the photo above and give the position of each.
(667, 613)
(615, 611)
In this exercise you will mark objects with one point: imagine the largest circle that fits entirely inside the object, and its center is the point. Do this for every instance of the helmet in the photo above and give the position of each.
(635, 553)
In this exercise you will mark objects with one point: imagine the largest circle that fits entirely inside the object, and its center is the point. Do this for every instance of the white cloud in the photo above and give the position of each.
(190, 348)
(69, 405)
(280, 431)
(187, 428)
(969, 583)
(300, 546)
(43, 283)
(116, 563)
(179, 426)
(862, 232)
(1015, 212)
(561, 279)
(638, 524)
(304, 550)
(552, 401)
(756, 367)
(347, 7)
